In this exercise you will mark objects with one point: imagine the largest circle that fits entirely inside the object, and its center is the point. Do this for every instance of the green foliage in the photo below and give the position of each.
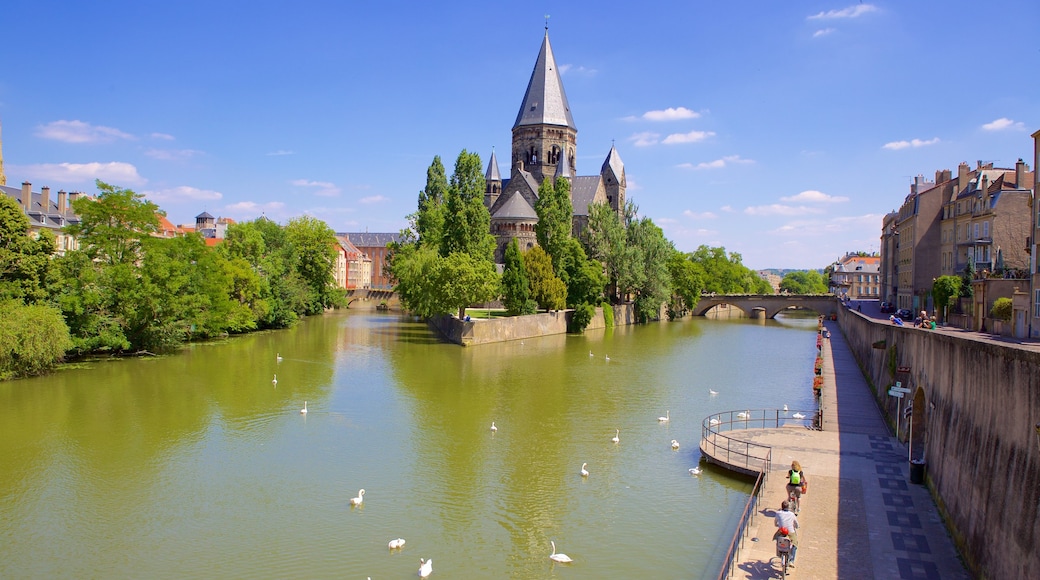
(583, 276)
(687, 283)
(464, 279)
(113, 225)
(804, 282)
(430, 285)
(33, 338)
(581, 317)
(726, 274)
(547, 289)
(467, 223)
(554, 210)
(608, 316)
(313, 257)
(516, 291)
(650, 282)
(605, 241)
(429, 217)
(25, 262)
(967, 277)
(1001, 309)
(415, 270)
(944, 289)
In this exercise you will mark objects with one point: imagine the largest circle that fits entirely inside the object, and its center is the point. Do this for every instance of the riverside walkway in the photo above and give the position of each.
(861, 518)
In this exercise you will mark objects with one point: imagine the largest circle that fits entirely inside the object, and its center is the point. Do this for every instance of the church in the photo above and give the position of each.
(545, 144)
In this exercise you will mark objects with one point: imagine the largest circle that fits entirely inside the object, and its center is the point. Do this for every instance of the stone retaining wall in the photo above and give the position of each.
(975, 404)
(484, 331)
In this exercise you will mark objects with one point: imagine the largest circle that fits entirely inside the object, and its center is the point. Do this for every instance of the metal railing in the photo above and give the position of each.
(747, 517)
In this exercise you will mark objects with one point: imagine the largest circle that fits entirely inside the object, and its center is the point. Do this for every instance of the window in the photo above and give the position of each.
(976, 232)
(1036, 304)
(985, 229)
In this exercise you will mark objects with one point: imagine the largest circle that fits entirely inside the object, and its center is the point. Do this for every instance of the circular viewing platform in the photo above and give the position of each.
(725, 436)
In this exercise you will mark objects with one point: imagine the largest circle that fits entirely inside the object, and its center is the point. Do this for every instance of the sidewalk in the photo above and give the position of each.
(861, 518)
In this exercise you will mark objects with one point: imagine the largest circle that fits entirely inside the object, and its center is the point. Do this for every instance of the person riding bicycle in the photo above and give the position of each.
(787, 525)
(796, 484)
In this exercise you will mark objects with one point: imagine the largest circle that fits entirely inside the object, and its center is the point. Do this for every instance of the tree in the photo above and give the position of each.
(546, 288)
(554, 210)
(944, 289)
(113, 225)
(583, 276)
(415, 270)
(726, 274)
(467, 223)
(25, 262)
(516, 291)
(967, 289)
(33, 338)
(605, 241)
(651, 281)
(429, 217)
(464, 279)
(804, 282)
(687, 283)
(313, 255)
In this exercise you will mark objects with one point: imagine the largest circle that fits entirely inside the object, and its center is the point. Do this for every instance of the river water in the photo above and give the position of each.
(197, 465)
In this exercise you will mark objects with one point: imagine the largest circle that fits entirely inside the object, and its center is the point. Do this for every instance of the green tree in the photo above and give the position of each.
(467, 223)
(1002, 309)
(464, 279)
(687, 283)
(416, 270)
(89, 304)
(651, 280)
(605, 240)
(944, 289)
(33, 338)
(583, 276)
(554, 210)
(516, 292)
(25, 262)
(113, 225)
(967, 289)
(726, 274)
(804, 282)
(429, 218)
(547, 289)
(313, 257)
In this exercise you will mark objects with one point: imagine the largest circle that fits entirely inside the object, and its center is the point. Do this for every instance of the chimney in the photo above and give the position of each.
(73, 196)
(45, 200)
(26, 196)
(1020, 174)
(962, 176)
(62, 201)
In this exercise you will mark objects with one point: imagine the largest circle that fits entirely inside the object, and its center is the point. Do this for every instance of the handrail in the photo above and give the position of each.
(746, 519)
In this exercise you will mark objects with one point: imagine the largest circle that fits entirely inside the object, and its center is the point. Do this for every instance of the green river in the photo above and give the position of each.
(196, 465)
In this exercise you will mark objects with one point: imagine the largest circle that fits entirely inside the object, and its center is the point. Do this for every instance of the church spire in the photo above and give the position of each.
(545, 102)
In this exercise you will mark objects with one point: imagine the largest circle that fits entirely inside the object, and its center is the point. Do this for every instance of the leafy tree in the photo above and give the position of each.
(467, 223)
(546, 288)
(33, 338)
(415, 270)
(24, 260)
(516, 292)
(89, 304)
(581, 317)
(651, 281)
(687, 283)
(804, 282)
(726, 274)
(429, 218)
(967, 289)
(113, 225)
(464, 279)
(944, 289)
(313, 257)
(583, 276)
(554, 210)
(605, 240)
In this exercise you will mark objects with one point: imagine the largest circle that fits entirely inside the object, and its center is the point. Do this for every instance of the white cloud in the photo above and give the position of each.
(780, 209)
(691, 137)
(162, 136)
(115, 172)
(645, 139)
(172, 154)
(671, 114)
(851, 12)
(324, 188)
(726, 208)
(897, 145)
(373, 199)
(183, 193)
(1002, 124)
(823, 32)
(80, 132)
(813, 196)
(281, 152)
(665, 221)
(251, 209)
(703, 215)
(570, 68)
(718, 163)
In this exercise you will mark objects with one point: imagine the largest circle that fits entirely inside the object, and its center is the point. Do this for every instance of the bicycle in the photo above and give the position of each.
(783, 549)
(794, 498)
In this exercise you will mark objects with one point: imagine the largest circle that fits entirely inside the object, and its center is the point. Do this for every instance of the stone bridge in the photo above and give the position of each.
(768, 305)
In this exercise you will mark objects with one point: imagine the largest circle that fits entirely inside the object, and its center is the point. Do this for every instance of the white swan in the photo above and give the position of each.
(590, 354)
(607, 356)
(493, 428)
(785, 407)
(667, 417)
(303, 411)
(798, 416)
(425, 568)
(558, 557)
(743, 415)
(695, 471)
(395, 544)
(360, 498)
(714, 421)
(675, 444)
(617, 436)
(712, 392)
(278, 357)
(274, 381)
(584, 472)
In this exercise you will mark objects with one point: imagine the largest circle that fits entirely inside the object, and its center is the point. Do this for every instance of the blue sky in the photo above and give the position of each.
(783, 131)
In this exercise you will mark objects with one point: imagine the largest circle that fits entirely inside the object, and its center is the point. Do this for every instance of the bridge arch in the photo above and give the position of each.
(770, 304)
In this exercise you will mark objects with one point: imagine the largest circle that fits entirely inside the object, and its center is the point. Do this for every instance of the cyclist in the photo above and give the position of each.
(796, 484)
(787, 525)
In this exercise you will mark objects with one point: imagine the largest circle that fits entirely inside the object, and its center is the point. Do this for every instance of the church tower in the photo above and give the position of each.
(613, 175)
(544, 135)
(492, 182)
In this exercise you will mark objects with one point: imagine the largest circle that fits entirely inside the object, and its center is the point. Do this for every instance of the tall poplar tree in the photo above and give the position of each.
(555, 212)
(516, 290)
(467, 222)
(429, 217)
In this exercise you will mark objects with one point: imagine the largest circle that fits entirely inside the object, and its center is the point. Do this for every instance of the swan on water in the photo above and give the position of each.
(667, 417)
(714, 421)
(744, 415)
(607, 356)
(274, 381)
(590, 354)
(360, 498)
(493, 428)
(584, 472)
(798, 416)
(395, 544)
(695, 471)
(712, 392)
(675, 444)
(617, 435)
(425, 568)
(303, 411)
(558, 557)
(785, 407)
(278, 357)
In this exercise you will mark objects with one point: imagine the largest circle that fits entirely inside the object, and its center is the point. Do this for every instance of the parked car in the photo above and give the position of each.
(905, 314)
(887, 308)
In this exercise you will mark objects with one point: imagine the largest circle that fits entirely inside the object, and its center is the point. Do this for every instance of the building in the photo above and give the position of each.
(545, 146)
(374, 246)
(46, 213)
(857, 277)
(353, 269)
(917, 245)
(887, 274)
(1034, 247)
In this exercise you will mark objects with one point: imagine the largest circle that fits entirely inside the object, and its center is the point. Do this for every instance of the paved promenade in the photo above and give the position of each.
(861, 518)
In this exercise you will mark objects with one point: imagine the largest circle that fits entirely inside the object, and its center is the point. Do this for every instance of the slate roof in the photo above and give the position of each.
(545, 102)
(492, 170)
(38, 216)
(370, 240)
(205, 216)
(516, 207)
(613, 161)
(583, 192)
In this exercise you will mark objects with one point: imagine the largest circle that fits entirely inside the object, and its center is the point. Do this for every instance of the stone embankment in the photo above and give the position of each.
(483, 331)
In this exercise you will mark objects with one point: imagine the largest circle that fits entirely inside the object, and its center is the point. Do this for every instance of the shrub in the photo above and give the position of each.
(32, 339)
(582, 316)
(608, 315)
(1001, 309)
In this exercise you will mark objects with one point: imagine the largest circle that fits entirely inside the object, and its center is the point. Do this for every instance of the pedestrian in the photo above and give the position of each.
(796, 484)
(787, 525)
